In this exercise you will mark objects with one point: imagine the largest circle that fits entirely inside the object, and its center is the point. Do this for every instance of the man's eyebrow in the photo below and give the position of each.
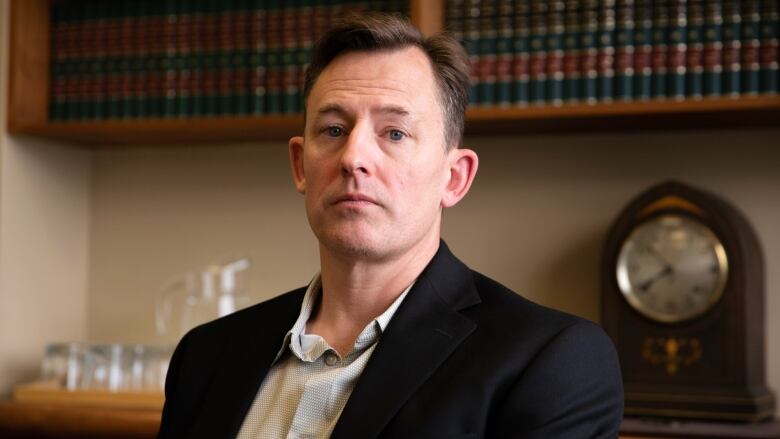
(393, 109)
(332, 108)
(385, 109)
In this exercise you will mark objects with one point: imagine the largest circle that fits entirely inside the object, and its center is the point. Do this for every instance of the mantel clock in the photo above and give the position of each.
(683, 300)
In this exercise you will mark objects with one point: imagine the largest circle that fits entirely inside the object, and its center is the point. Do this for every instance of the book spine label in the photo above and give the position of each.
(624, 51)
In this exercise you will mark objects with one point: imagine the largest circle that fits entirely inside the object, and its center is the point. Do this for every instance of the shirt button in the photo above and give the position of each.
(331, 359)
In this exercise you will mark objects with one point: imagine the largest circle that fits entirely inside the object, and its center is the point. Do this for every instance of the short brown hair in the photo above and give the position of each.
(383, 31)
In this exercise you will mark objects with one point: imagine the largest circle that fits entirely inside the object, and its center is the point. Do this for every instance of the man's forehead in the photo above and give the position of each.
(397, 82)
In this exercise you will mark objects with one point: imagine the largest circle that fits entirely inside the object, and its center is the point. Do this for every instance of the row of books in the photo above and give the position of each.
(113, 60)
(550, 52)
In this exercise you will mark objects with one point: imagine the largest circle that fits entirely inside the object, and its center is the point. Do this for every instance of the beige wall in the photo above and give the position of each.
(44, 227)
(535, 220)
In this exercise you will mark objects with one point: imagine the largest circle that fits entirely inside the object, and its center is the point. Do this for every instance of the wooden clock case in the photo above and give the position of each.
(708, 367)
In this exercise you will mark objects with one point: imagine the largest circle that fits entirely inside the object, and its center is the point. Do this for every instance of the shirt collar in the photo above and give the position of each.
(313, 349)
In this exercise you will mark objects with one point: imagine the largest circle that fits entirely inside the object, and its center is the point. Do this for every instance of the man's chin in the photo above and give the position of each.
(355, 247)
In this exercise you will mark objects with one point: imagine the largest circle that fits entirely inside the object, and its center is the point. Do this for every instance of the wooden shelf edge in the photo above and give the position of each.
(169, 131)
(763, 111)
(721, 113)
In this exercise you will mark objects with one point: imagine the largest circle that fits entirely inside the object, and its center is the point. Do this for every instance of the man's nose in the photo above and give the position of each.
(356, 158)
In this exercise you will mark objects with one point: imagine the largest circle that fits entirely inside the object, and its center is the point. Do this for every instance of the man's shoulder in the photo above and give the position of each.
(510, 313)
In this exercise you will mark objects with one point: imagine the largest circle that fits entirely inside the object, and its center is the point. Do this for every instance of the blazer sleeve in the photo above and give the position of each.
(572, 389)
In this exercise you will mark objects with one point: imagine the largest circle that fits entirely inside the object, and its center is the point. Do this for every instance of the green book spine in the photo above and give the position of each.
(694, 74)
(486, 89)
(555, 51)
(571, 55)
(713, 48)
(769, 47)
(751, 24)
(643, 49)
(521, 53)
(589, 51)
(504, 53)
(732, 45)
(624, 51)
(538, 58)
(677, 48)
(606, 51)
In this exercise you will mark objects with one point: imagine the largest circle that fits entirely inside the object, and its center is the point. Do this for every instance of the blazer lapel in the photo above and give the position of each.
(425, 330)
(249, 356)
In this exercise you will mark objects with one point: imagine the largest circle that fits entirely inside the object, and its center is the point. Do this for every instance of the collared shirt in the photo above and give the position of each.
(309, 383)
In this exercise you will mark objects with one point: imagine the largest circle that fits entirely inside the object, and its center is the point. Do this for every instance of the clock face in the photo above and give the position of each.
(672, 268)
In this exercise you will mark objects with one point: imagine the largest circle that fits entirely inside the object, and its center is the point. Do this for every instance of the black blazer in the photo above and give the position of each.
(463, 357)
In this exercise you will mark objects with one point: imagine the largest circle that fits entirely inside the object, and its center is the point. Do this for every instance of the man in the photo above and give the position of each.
(395, 337)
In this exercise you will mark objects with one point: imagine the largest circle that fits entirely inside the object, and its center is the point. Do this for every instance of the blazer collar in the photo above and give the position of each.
(425, 330)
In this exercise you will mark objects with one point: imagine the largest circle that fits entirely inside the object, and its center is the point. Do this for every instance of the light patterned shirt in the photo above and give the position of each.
(309, 383)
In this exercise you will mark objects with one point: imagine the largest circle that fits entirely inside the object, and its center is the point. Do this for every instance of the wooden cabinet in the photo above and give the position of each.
(29, 103)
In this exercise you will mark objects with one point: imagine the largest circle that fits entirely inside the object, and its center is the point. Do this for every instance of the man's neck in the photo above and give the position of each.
(354, 292)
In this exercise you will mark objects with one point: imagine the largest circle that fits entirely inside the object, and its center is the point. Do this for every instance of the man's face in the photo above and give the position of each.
(373, 164)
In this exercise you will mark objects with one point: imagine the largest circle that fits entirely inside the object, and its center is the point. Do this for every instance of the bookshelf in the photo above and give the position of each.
(29, 102)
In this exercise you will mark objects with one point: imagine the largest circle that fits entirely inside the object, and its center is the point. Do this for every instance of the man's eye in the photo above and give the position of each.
(335, 131)
(397, 135)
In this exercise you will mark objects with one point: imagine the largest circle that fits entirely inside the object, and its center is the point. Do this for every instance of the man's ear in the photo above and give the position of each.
(296, 163)
(463, 164)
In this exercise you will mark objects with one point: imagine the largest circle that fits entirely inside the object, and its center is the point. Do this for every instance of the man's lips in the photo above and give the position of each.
(355, 199)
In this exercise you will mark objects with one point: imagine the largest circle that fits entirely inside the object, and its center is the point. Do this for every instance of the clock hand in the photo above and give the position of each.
(644, 286)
